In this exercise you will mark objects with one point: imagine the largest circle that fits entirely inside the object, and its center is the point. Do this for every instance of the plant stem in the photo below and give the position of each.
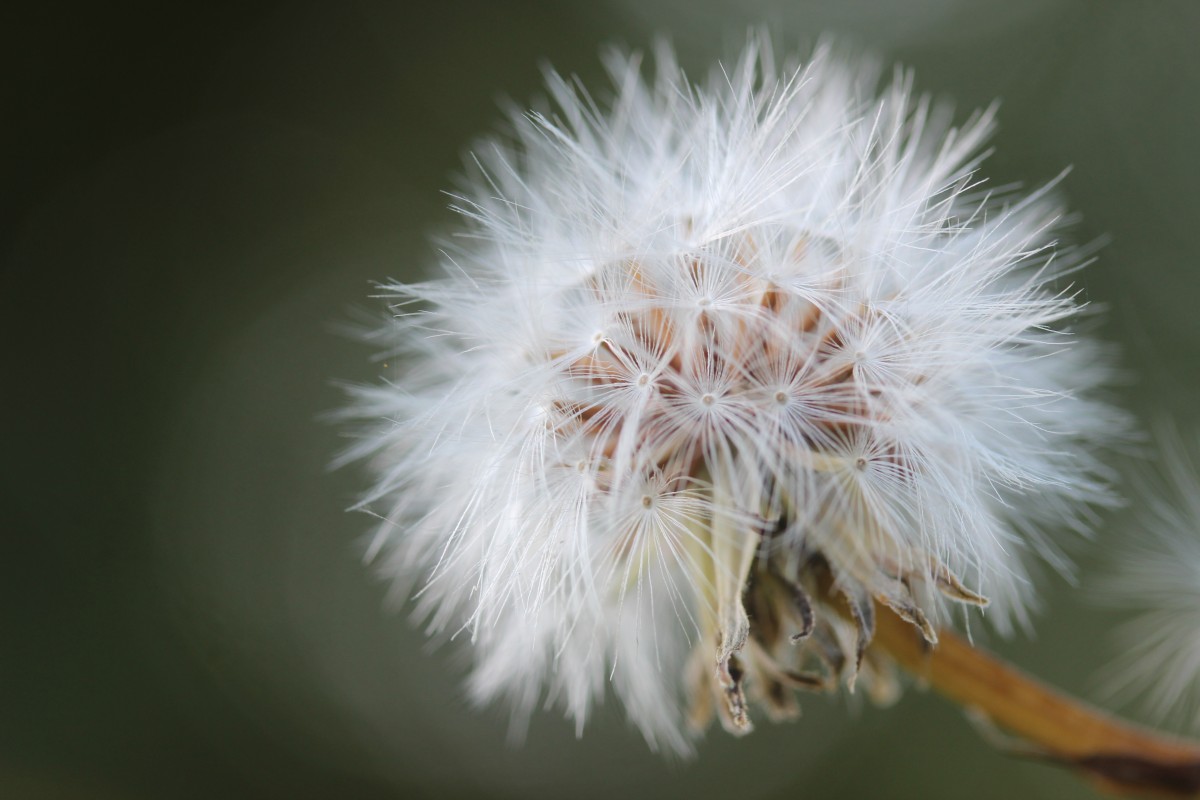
(1120, 757)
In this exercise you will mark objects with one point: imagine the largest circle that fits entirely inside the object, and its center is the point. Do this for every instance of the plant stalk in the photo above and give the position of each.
(1120, 757)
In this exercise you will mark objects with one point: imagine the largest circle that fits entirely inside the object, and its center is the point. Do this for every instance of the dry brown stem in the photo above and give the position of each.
(1119, 757)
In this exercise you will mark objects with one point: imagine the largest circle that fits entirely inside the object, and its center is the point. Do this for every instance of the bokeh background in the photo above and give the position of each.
(194, 198)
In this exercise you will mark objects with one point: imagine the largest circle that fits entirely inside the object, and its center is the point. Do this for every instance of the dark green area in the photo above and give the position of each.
(194, 199)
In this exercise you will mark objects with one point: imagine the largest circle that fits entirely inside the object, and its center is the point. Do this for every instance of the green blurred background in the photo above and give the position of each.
(193, 199)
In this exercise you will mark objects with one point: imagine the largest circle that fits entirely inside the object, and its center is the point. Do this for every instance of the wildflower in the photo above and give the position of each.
(711, 372)
(1158, 575)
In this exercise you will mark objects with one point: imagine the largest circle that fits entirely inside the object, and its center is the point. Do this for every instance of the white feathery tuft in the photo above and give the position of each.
(1157, 574)
(696, 344)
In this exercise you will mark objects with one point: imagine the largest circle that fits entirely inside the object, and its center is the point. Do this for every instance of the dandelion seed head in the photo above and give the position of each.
(1157, 575)
(703, 355)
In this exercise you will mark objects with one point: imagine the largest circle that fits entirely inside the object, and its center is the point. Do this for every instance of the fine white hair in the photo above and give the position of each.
(694, 341)
(1157, 575)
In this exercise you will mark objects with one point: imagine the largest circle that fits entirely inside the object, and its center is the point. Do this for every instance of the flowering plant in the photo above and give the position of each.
(720, 384)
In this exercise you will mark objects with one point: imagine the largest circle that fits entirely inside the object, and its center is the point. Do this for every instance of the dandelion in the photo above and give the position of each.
(1159, 576)
(722, 382)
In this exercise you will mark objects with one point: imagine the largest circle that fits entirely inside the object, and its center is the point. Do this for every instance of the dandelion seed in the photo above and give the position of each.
(709, 360)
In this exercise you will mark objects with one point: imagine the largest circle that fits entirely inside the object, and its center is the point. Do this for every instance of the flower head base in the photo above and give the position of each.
(714, 371)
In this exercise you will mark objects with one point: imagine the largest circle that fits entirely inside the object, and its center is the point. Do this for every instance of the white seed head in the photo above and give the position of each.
(1157, 574)
(702, 352)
